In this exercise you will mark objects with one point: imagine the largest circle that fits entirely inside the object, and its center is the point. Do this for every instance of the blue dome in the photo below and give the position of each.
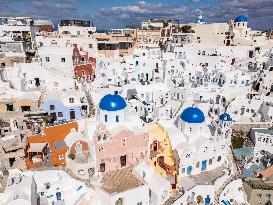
(241, 19)
(112, 102)
(200, 20)
(225, 117)
(192, 115)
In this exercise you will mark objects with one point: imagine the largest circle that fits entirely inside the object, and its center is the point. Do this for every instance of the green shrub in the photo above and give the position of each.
(71, 156)
(237, 142)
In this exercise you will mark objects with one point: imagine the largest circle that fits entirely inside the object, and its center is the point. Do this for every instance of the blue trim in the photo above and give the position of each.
(189, 169)
(204, 165)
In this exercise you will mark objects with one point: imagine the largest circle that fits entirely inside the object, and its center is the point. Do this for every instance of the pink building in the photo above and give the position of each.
(116, 145)
(119, 150)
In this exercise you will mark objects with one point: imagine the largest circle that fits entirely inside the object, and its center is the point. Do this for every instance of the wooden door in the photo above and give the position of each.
(72, 114)
(123, 161)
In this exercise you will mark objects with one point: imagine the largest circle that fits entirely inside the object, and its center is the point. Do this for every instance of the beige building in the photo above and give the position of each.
(215, 33)
(148, 38)
(118, 42)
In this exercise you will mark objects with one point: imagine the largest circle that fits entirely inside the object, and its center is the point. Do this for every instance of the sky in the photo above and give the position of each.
(118, 13)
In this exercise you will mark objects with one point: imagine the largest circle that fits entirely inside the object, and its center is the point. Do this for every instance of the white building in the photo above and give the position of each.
(262, 139)
(199, 145)
(57, 57)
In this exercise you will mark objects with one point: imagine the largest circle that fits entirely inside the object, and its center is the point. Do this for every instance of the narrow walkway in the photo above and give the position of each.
(234, 176)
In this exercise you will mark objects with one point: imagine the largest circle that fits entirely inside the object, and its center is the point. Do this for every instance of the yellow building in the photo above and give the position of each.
(161, 154)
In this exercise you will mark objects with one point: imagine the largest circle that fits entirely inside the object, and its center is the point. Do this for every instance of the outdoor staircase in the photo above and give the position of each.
(234, 176)
(174, 196)
(176, 113)
(4, 179)
(91, 103)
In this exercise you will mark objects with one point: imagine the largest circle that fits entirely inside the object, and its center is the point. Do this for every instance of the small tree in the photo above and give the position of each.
(46, 119)
(71, 156)
(187, 29)
(237, 142)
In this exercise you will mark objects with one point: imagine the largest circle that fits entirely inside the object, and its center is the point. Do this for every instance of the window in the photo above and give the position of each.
(102, 167)
(60, 114)
(83, 73)
(124, 141)
(139, 203)
(117, 118)
(47, 59)
(90, 46)
(197, 164)
(219, 158)
(52, 107)
(183, 170)
(9, 107)
(105, 118)
(210, 161)
(189, 169)
(71, 100)
(63, 60)
(99, 138)
(61, 156)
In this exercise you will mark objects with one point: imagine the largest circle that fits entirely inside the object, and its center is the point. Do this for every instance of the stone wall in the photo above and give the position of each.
(247, 127)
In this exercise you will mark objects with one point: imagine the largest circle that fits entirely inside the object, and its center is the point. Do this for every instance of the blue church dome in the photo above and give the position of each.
(200, 20)
(112, 102)
(225, 117)
(192, 115)
(240, 19)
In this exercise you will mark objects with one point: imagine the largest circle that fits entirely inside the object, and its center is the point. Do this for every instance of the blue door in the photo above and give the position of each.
(207, 200)
(204, 165)
(189, 169)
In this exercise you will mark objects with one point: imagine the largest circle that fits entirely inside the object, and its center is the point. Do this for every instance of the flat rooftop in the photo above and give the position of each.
(205, 178)
(267, 131)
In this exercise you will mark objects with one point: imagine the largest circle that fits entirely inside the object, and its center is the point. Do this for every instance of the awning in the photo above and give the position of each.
(36, 147)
